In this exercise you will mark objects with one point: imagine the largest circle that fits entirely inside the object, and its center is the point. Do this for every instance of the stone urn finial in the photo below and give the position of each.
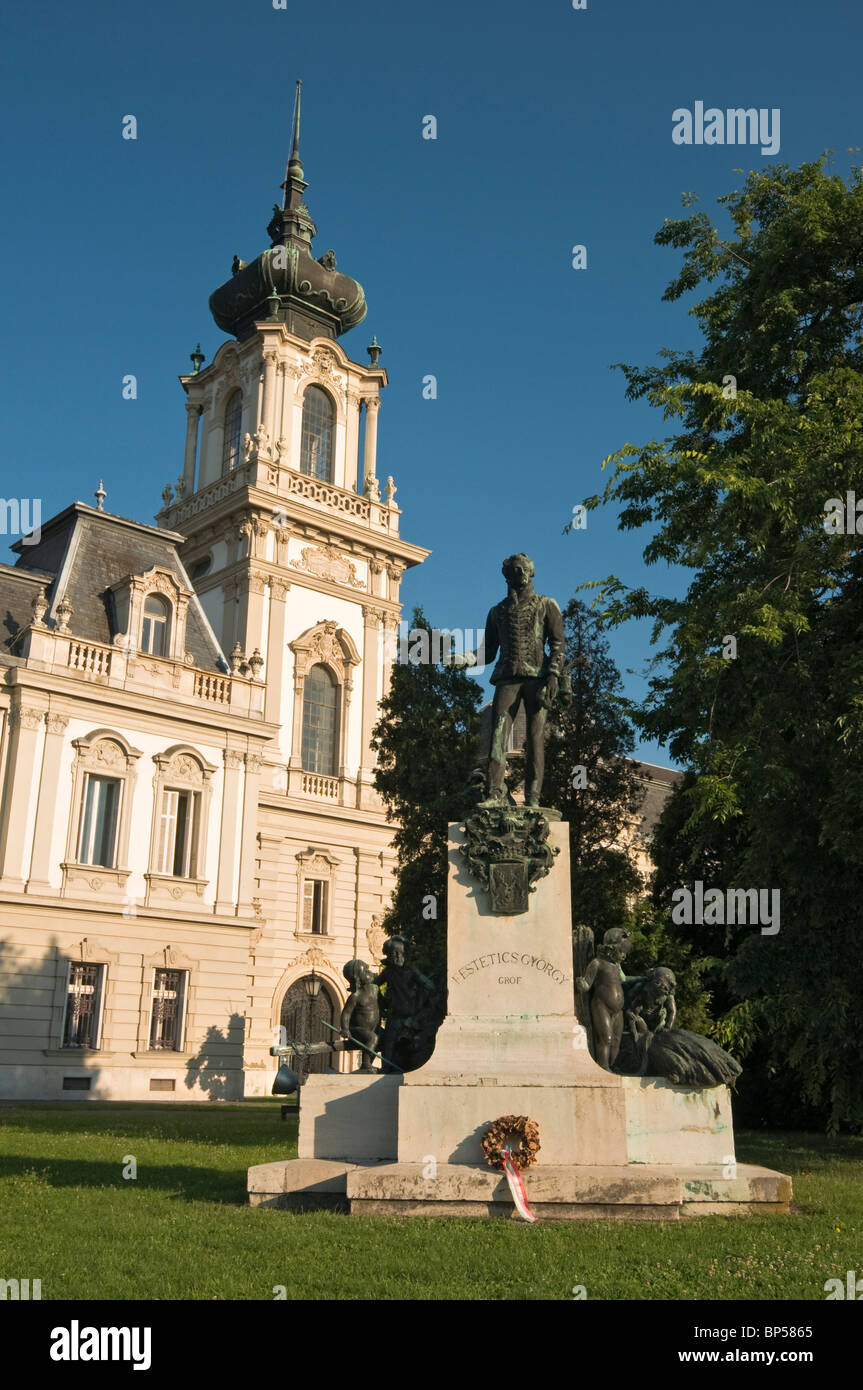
(237, 660)
(64, 614)
(256, 661)
(39, 607)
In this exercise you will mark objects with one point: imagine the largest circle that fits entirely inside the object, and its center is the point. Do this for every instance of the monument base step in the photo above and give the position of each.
(636, 1192)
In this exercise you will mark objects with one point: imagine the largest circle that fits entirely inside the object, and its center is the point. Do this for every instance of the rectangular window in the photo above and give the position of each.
(169, 998)
(97, 841)
(83, 1005)
(178, 834)
(315, 906)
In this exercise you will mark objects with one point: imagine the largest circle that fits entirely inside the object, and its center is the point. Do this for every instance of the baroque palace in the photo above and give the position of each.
(191, 846)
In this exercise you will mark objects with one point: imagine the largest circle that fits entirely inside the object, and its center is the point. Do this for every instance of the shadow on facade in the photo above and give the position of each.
(28, 982)
(218, 1066)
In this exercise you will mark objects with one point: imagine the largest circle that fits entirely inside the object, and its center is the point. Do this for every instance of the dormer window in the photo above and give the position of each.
(149, 615)
(155, 629)
(232, 432)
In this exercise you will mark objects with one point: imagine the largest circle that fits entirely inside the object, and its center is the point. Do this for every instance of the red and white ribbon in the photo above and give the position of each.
(516, 1187)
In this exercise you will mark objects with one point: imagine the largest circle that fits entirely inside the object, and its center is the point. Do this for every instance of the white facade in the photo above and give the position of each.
(291, 867)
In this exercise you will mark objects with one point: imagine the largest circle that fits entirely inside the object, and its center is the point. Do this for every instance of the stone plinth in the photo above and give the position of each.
(677, 1124)
(561, 1193)
(621, 1147)
(567, 1193)
(349, 1117)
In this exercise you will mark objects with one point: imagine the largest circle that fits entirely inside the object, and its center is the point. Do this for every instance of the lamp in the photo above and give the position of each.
(312, 985)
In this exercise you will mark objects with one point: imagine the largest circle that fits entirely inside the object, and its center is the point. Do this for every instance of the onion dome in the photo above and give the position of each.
(286, 284)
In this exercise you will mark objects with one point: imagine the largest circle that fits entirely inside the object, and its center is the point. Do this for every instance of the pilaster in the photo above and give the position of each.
(253, 765)
(276, 644)
(49, 786)
(26, 723)
(366, 795)
(370, 455)
(229, 840)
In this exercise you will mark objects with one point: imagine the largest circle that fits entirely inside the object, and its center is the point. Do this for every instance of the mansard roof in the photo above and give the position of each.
(82, 552)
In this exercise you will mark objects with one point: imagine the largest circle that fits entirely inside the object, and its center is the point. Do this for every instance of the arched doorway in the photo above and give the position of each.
(303, 1020)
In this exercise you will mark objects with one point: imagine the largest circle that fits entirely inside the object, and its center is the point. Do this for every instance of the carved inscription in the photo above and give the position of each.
(523, 958)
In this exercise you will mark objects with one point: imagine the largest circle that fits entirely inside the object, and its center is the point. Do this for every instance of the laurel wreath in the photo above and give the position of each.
(517, 1133)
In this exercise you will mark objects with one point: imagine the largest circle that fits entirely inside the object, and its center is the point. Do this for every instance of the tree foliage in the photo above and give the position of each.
(426, 741)
(593, 733)
(736, 496)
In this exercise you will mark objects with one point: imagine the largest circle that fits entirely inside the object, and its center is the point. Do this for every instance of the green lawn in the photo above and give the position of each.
(182, 1229)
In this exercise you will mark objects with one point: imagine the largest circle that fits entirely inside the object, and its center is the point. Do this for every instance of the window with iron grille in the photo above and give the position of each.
(320, 707)
(233, 427)
(83, 1005)
(179, 825)
(316, 445)
(315, 906)
(97, 840)
(166, 1024)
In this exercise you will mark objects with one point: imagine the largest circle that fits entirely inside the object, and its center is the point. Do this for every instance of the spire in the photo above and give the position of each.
(295, 168)
(294, 183)
(291, 223)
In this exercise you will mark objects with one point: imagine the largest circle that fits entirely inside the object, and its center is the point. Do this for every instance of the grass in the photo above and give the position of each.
(182, 1228)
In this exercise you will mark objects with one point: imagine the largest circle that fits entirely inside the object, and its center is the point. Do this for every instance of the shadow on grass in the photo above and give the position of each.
(795, 1152)
(249, 1125)
(224, 1187)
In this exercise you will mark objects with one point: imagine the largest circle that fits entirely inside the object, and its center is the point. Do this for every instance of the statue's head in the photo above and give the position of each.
(517, 569)
(355, 972)
(615, 943)
(394, 950)
(661, 982)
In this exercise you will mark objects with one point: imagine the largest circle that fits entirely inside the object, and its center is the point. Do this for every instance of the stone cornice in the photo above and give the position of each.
(87, 908)
(76, 698)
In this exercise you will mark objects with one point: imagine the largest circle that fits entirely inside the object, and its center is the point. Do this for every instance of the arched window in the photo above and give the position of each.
(233, 426)
(316, 450)
(155, 629)
(302, 1018)
(320, 709)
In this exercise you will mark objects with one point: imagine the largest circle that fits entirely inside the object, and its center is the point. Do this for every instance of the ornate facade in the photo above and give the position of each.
(189, 827)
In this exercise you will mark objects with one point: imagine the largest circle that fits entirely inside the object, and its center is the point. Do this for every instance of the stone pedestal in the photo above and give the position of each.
(627, 1147)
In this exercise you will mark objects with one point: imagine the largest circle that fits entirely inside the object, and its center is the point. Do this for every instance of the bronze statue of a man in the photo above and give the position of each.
(519, 629)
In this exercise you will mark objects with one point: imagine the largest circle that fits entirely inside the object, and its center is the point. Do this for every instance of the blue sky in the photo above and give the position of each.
(554, 129)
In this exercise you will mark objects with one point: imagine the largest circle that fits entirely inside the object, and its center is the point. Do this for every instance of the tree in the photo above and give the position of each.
(590, 778)
(758, 687)
(426, 741)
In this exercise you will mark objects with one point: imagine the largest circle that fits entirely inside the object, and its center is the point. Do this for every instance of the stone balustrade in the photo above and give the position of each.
(285, 482)
(45, 649)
